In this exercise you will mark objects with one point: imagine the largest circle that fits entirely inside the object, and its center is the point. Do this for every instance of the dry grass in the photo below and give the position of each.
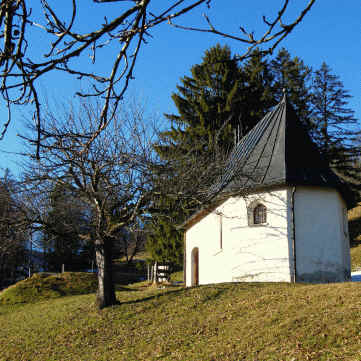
(216, 322)
(42, 286)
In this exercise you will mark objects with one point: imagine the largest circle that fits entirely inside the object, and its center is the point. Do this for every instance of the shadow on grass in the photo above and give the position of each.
(218, 291)
(123, 288)
(153, 297)
(355, 243)
(355, 231)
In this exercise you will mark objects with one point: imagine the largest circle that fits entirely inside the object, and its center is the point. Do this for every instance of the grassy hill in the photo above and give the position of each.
(218, 322)
(43, 286)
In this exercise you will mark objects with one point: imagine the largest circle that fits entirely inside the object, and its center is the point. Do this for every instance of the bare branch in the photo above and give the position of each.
(127, 31)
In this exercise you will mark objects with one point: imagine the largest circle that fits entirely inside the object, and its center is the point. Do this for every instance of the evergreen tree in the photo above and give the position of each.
(220, 98)
(336, 130)
(258, 87)
(165, 242)
(209, 106)
(292, 75)
(207, 101)
(223, 96)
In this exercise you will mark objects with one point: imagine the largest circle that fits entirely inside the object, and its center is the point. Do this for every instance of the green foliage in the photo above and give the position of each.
(222, 97)
(207, 101)
(336, 130)
(165, 243)
(253, 321)
(219, 99)
(43, 286)
(292, 75)
(258, 91)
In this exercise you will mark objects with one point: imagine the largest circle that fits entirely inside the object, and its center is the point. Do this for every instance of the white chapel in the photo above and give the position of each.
(279, 214)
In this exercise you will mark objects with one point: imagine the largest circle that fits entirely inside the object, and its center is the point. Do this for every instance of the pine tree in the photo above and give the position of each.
(258, 88)
(209, 106)
(207, 101)
(221, 97)
(336, 130)
(165, 242)
(292, 75)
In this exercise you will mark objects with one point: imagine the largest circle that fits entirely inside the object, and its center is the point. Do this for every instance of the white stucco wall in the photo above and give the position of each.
(248, 253)
(265, 252)
(322, 242)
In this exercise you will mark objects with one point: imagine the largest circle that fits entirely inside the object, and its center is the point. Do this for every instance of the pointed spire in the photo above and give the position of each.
(278, 151)
(284, 91)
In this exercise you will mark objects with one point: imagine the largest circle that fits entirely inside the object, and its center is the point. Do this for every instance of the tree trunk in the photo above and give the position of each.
(106, 292)
(155, 273)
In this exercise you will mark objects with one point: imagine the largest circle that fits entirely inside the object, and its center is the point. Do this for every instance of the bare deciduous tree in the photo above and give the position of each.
(112, 174)
(126, 30)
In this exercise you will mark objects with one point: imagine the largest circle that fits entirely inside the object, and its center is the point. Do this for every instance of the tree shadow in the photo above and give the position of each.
(355, 243)
(124, 288)
(355, 232)
(152, 297)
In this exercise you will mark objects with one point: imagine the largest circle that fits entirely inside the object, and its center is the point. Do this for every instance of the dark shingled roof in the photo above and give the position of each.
(278, 151)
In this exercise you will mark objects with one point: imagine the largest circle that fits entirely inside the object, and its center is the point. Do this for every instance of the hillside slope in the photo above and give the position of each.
(43, 286)
(218, 322)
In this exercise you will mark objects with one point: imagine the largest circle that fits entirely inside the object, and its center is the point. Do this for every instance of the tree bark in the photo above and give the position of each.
(106, 291)
(155, 273)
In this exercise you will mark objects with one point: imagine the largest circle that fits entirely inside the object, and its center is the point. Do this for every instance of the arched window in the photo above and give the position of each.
(260, 214)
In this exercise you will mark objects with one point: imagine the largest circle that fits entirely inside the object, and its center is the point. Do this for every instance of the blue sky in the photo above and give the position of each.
(331, 32)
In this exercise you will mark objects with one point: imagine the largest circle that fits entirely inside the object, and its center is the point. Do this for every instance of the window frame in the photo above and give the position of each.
(260, 214)
(251, 209)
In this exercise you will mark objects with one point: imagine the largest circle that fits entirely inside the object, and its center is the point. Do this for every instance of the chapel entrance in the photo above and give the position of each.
(195, 267)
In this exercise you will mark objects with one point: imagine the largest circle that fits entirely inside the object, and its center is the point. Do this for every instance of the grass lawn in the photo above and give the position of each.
(254, 321)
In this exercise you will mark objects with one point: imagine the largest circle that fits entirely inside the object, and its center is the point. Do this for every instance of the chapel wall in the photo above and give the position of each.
(322, 243)
(247, 253)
